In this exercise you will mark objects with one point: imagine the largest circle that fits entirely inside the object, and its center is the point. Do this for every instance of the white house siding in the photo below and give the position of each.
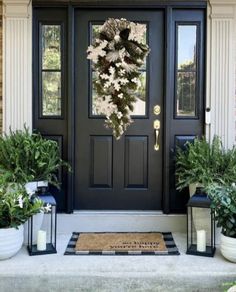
(221, 63)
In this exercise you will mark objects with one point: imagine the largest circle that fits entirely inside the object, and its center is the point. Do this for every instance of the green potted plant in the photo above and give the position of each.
(224, 204)
(29, 158)
(202, 163)
(16, 206)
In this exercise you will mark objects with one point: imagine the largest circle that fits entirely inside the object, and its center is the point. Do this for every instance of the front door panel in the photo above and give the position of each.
(124, 174)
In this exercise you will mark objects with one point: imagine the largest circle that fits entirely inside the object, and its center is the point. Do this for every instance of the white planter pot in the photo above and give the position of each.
(11, 240)
(37, 223)
(228, 248)
(33, 185)
(193, 187)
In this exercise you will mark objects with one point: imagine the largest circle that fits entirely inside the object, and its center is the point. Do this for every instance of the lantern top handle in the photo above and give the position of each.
(199, 200)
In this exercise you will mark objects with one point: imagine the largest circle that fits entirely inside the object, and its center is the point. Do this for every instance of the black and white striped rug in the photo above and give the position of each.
(171, 248)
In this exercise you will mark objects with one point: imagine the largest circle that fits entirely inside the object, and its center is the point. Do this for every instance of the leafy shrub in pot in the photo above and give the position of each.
(224, 203)
(205, 163)
(16, 206)
(26, 157)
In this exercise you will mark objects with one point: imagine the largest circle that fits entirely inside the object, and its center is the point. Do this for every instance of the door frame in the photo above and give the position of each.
(167, 7)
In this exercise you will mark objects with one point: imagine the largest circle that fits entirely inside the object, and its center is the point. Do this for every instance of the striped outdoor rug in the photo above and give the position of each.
(122, 243)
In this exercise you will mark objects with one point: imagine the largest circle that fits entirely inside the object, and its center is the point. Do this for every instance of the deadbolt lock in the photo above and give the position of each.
(157, 110)
(156, 125)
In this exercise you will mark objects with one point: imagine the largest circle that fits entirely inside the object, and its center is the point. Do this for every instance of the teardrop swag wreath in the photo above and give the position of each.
(117, 54)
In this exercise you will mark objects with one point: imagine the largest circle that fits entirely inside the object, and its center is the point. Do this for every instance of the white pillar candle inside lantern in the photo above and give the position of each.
(201, 240)
(41, 240)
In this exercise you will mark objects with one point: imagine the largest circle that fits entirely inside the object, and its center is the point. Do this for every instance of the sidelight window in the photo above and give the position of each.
(51, 74)
(186, 70)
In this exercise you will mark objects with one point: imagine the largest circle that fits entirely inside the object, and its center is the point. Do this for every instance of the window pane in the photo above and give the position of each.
(140, 105)
(51, 93)
(187, 37)
(51, 47)
(186, 93)
(186, 70)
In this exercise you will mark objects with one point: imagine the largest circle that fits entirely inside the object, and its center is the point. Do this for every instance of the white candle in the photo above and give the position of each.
(41, 240)
(201, 240)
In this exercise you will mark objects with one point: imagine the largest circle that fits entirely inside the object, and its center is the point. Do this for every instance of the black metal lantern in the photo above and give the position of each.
(46, 237)
(200, 225)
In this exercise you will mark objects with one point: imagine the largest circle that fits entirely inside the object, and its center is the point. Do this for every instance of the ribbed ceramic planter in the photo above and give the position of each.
(228, 248)
(11, 240)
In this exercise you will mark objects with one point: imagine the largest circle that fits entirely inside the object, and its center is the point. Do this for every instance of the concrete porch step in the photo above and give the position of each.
(115, 273)
(121, 221)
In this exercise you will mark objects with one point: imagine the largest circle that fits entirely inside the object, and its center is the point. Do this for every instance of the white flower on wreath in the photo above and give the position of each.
(137, 81)
(137, 32)
(121, 95)
(105, 106)
(95, 52)
(119, 115)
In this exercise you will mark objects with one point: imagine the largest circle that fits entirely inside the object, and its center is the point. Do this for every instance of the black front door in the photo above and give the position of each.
(124, 174)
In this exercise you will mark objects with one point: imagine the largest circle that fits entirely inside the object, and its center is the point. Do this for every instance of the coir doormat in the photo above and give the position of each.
(132, 243)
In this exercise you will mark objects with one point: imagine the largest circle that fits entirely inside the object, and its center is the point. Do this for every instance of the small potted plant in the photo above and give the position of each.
(224, 204)
(16, 206)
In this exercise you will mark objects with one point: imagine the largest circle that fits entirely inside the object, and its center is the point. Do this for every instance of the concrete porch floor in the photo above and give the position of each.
(115, 273)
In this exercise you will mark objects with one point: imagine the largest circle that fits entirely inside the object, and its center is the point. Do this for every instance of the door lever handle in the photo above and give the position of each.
(156, 126)
(156, 146)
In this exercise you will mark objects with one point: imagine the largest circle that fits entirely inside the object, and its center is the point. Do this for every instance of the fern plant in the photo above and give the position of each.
(28, 157)
(205, 163)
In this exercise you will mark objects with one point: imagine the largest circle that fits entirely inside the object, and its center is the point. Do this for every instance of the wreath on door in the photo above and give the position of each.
(117, 54)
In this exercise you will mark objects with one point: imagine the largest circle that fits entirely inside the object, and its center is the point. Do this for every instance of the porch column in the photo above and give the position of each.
(17, 64)
(221, 63)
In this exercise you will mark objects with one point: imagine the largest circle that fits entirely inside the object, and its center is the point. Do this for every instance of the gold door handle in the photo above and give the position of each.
(156, 146)
(156, 126)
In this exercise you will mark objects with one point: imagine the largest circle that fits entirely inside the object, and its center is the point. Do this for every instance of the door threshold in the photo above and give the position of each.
(118, 212)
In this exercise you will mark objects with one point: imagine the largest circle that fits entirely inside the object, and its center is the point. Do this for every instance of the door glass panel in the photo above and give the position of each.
(141, 95)
(186, 70)
(51, 93)
(51, 47)
(51, 70)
